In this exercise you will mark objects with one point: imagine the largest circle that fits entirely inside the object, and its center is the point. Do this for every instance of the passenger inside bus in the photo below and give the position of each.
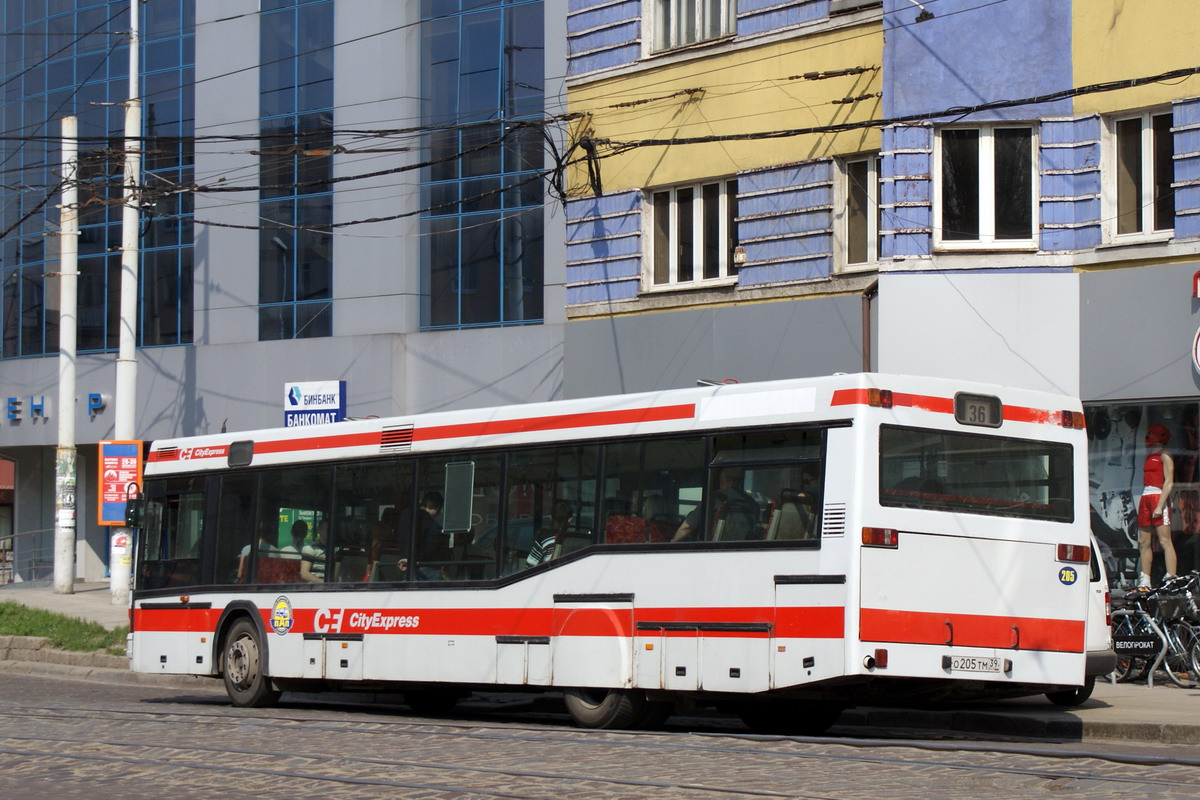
(299, 533)
(552, 546)
(266, 547)
(432, 545)
(734, 511)
(659, 524)
(312, 560)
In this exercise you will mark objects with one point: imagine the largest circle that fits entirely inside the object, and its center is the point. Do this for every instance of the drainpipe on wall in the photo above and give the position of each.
(867, 294)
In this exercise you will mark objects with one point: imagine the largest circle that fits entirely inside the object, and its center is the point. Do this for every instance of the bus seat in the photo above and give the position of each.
(278, 570)
(624, 529)
(789, 519)
(350, 565)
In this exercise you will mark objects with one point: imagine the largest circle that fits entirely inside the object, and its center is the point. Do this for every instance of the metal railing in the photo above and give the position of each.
(27, 556)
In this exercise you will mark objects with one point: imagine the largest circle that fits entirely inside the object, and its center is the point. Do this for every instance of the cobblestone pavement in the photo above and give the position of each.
(70, 739)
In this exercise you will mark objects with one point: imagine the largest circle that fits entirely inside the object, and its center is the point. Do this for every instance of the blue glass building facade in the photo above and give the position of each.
(70, 57)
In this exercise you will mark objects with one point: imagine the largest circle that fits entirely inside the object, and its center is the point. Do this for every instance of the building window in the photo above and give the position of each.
(67, 58)
(295, 268)
(482, 98)
(693, 233)
(862, 214)
(1143, 171)
(985, 187)
(681, 22)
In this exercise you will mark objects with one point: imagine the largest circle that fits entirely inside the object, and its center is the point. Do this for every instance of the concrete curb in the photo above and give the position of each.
(32, 655)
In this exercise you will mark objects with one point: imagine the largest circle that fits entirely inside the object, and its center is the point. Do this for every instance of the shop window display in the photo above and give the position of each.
(1118, 450)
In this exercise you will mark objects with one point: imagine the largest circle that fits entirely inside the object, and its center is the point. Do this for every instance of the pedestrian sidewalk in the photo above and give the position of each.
(1135, 712)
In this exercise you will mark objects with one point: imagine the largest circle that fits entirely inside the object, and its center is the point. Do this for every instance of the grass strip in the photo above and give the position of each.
(64, 633)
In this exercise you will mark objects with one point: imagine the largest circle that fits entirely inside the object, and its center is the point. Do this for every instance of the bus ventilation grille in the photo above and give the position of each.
(396, 439)
(833, 521)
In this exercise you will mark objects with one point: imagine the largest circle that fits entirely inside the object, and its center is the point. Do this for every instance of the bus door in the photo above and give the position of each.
(592, 640)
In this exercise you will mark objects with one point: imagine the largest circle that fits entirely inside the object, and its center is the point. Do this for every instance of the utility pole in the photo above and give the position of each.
(68, 276)
(120, 549)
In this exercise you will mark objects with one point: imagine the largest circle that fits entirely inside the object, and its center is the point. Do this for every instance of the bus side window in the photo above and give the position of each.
(235, 523)
(551, 505)
(650, 488)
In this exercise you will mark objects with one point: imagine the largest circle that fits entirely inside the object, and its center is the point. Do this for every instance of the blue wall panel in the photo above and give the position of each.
(763, 16)
(968, 54)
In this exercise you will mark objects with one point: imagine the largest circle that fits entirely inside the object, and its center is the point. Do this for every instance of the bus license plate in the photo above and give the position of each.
(974, 664)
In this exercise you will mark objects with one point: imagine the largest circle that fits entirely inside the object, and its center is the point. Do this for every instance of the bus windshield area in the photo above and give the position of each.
(975, 474)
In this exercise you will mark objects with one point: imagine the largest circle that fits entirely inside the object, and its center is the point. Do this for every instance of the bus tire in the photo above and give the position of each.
(604, 708)
(432, 701)
(242, 661)
(789, 717)
(1073, 697)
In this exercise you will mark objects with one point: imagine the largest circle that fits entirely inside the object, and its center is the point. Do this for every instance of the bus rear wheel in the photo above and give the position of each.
(605, 708)
(246, 681)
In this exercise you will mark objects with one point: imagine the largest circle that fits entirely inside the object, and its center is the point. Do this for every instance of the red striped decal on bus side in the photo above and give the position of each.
(971, 630)
(945, 405)
(589, 419)
(792, 622)
(468, 429)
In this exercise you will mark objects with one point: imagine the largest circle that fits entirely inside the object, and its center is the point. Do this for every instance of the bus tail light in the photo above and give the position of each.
(1078, 553)
(1071, 419)
(879, 398)
(1107, 610)
(881, 537)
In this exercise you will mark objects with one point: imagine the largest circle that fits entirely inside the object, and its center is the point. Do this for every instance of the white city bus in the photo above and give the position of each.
(781, 549)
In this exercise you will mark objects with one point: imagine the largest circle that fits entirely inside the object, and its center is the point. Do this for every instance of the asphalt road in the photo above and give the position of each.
(74, 739)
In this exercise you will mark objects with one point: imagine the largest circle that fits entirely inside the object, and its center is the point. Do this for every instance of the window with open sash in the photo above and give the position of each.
(693, 233)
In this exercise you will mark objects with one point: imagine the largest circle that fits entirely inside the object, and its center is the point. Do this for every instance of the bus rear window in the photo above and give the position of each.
(975, 474)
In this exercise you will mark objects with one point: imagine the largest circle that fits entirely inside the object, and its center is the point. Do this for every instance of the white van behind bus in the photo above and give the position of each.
(1101, 658)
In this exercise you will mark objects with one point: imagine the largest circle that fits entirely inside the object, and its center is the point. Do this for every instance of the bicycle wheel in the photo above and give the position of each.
(1129, 667)
(1178, 662)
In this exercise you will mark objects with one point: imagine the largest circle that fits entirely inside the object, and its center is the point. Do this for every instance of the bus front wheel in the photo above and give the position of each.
(605, 708)
(246, 681)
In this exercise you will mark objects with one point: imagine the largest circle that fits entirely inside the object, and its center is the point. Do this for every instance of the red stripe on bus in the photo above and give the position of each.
(945, 405)
(369, 439)
(791, 622)
(588, 419)
(971, 630)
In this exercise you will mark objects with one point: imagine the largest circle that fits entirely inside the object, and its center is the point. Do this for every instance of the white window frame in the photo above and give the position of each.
(668, 30)
(842, 226)
(1111, 179)
(727, 269)
(987, 181)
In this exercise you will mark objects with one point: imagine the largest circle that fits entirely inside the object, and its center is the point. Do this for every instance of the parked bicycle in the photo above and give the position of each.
(1157, 628)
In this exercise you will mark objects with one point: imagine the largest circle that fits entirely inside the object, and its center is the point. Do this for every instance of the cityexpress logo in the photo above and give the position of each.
(188, 453)
(339, 620)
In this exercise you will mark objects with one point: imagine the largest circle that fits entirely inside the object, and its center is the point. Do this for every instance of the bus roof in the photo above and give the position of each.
(726, 405)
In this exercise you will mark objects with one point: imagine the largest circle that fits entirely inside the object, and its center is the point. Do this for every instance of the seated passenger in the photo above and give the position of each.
(299, 534)
(560, 522)
(734, 511)
(266, 547)
(312, 564)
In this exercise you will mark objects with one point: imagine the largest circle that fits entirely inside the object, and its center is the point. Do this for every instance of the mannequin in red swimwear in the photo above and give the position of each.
(1153, 512)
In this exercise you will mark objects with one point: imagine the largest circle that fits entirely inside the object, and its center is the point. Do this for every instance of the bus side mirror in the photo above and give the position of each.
(135, 512)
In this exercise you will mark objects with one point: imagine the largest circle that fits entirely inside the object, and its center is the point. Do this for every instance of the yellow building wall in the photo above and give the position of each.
(752, 90)
(1119, 39)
